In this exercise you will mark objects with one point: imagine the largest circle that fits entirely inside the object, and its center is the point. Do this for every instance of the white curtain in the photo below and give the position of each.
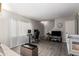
(18, 32)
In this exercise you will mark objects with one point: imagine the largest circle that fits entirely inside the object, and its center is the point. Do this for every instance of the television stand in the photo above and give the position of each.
(56, 39)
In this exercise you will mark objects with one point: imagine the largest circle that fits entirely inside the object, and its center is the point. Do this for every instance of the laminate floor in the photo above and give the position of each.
(49, 48)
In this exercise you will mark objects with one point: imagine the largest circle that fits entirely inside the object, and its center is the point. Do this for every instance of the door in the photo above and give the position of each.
(70, 27)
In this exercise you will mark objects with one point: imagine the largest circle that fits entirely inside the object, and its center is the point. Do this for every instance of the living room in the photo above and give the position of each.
(50, 19)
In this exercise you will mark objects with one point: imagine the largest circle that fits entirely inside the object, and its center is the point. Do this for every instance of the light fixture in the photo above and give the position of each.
(44, 22)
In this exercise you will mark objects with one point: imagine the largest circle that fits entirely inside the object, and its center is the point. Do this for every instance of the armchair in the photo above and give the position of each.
(72, 44)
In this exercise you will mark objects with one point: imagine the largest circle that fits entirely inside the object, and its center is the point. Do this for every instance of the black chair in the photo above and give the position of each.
(36, 35)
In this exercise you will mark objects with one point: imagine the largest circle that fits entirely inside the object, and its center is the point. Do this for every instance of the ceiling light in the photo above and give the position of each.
(44, 22)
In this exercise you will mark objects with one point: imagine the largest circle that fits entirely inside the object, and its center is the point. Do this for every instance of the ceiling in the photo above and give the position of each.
(43, 11)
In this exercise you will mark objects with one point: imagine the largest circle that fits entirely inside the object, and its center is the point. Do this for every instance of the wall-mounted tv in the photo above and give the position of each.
(56, 33)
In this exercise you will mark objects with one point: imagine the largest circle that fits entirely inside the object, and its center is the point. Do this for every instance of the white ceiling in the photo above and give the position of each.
(44, 11)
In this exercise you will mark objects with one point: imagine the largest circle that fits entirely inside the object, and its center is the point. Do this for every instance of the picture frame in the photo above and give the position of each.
(60, 25)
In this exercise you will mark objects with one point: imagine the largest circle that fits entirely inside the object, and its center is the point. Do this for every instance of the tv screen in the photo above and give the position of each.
(56, 33)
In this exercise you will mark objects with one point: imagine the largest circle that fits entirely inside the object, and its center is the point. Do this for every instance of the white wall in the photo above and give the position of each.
(4, 28)
(13, 28)
(18, 32)
(54, 26)
(48, 26)
(39, 26)
(61, 28)
(57, 23)
(8, 27)
(70, 27)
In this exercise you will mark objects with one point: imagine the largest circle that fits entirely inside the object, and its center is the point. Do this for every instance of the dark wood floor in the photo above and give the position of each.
(49, 48)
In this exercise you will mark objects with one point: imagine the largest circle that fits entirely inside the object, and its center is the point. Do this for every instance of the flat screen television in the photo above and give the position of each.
(56, 33)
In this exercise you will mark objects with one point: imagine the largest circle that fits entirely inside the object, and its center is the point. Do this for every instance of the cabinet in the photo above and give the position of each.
(29, 50)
